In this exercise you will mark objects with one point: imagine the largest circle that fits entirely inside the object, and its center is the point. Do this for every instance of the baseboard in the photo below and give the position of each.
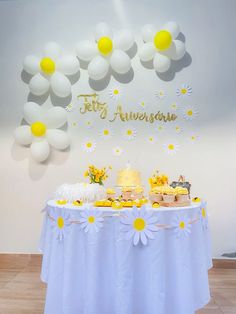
(224, 263)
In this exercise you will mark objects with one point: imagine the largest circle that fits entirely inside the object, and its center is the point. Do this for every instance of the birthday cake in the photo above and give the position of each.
(129, 178)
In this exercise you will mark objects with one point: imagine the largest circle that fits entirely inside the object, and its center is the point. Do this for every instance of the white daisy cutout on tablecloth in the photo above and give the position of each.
(171, 148)
(160, 94)
(129, 133)
(184, 90)
(139, 225)
(91, 220)
(178, 129)
(161, 47)
(106, 133)
(190, 113)
(43, 130)
(60, 223)
(151, 139)
(115, 92)
(51, 70)
(117, 151)
(89, 124)
(106, 51)
(182, 227)
(143, 104)
(174, 106)
(89, 145)
(204, 216)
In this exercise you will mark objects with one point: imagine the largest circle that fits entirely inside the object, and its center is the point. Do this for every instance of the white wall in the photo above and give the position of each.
(209, 30)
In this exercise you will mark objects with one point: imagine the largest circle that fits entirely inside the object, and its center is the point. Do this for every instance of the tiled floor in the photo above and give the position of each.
(21, 291)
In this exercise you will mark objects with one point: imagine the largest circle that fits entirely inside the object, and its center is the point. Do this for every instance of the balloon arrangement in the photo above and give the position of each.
(53, 69)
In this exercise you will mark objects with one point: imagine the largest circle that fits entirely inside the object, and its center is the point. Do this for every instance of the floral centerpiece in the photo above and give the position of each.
(158, 180)
(97, 175)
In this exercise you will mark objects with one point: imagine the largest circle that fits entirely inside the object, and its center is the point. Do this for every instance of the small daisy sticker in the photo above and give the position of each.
(178, 129)
(115, 92)
(171, 148)
(60, 223)
(139, 225)
(182, 227)
(91, 220)
(151, 139)
(89, 124)
(129, 133)
(117, 151)
(106, 133)
(184, 90)
(174, 106)
(190, 113)
(193, 138)
(203, 216)
(143, 105)
(160, 94)
(159, 128)
(89, 145)
(74, 124)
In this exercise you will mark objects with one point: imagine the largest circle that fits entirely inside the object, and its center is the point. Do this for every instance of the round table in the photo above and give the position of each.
(129, 261)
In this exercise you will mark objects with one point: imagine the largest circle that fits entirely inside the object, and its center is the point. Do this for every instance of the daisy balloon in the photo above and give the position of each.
(139, 225)
(161, 46)
(91, 220)
(51, 70)
(42, 130)
(106, 51)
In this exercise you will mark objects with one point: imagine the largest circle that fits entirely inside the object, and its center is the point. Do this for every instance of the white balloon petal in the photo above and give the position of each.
(32, 112)
(173, 28)
(55, 117)
(98, 68)
(68, 65)
(60, 84)
(102, 29)
(38, 85)
(52, 50)
(161, 63)
(178, 50)
(31, 64)
(148, 32)
(147, 52)
(120, 62)
(58, 139)
(124, 40)
(40, 150)
(86, 50)
(23, 135)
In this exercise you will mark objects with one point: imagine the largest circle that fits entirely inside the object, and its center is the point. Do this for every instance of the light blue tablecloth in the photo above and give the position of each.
(104, 273)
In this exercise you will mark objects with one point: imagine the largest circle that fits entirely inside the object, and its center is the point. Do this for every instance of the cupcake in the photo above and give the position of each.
(110, 194)
(182, 194)
(168, 194)
(127, 193)
(138, 193)
(155, 194)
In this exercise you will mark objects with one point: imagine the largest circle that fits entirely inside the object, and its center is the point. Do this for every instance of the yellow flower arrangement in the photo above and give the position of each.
(97, 175)
(158, 180)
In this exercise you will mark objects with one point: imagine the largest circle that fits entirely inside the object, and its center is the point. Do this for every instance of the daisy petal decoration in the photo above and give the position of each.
(160, 94)
(139, 225)
(193, 138)
(106, 51)
(203, 215)
(184, 90)
(115, 92)
(174, 106)
(89, 124)
(89, 145)
(60, 223)
(43, 130)
(106, 133)
(151, 139)
(178, 129)
(182, 227)
(190, 113)
(117, 151)
(159, 128)
(161, 46)
(171, 148)
(129, 133)
(51, 70)
(91, 220)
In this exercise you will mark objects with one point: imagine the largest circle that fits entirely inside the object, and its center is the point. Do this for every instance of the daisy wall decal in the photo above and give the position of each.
(184, 91)
(143, 104)
(151, 139)
(182, 227)
(129, 133)
(51, 70)
(106, 133)
(117, 151)
(60, 223)
(42, 130)
(178, 129)
(161, 46)
(89, 123)
(91, 220)
(171, 147)
(174, 106)
(193, 138)
(139, 225)
(190, 113)
(160, 94)
(106, 51)
(115, 92)
(89, 145)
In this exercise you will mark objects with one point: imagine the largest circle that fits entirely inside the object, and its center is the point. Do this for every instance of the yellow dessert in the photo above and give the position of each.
(117, 205)
(61, 202)
(110, 191)
(128, 203)
(180, 190)
(77, 203)
(168, 194)
(129, 177)
(156, 205)
(196, 200)
(103, 203)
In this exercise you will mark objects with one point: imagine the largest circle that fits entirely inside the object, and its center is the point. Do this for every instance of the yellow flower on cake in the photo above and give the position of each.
(115, 92)
(117, 151)
(184, 90)
(190, 113)
(139, 225)
(171, 148)
(106, 133)
(89, 145)
(129, 133)
(91, 220)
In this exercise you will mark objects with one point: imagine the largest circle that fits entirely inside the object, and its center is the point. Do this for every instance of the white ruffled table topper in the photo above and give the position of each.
(129, 261)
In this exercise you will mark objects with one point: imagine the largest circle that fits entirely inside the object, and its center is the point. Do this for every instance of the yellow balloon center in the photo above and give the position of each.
(60, 222)
(91, 219)
(47, 65)
(139, 224)
(162, 40)
(38, 128)
(182, 225)
(105, 45)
